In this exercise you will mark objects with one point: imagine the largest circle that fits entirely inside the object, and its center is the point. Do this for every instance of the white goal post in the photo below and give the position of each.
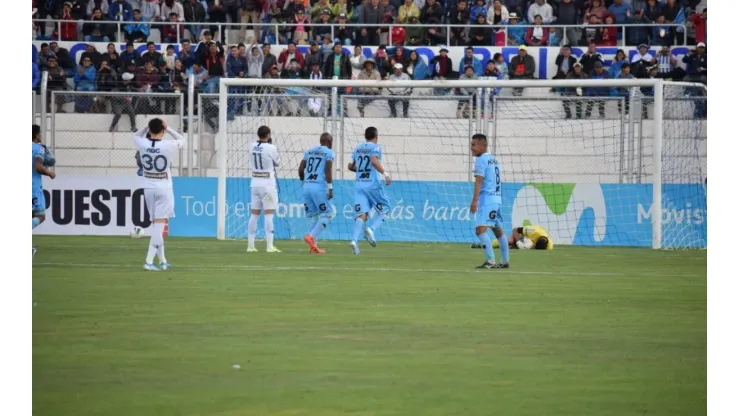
(654, 168)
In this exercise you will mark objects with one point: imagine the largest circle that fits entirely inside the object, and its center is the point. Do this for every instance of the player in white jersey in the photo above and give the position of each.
(156, 156)
(264, 158)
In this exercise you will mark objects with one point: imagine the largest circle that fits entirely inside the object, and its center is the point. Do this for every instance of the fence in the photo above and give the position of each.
(224, 30)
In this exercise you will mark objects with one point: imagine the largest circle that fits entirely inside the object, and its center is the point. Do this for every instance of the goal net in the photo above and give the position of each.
(581, 166)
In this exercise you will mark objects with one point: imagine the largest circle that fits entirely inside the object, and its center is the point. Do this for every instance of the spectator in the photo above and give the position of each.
(521, 66)
(130, 54)
(322, 27)
(204, 46)
(432, 11)
(667, 65)
(699, 22)
(187, 56)
(382, 61)
(673, 13)
(460, 16)
(368, 74)
(408, 10)
(250, 13)
(147, 78)
(621, 10)
(151, 55)
(590, 57)
(120, 11)
(214, 64)
(399, 75)
(564, 62)
(94, 31)
(302, 27)
(84, 80)
(478, 8)
(173, 32)
(517, 6)
(416, 67)
(42, 58)
(470, 60)
(344, 32)
(537, 36)
(97, 4)
(290, 53)
(623, 91)
(642, 55)
(179, 79)
(414, 34)
(370, 14)
(137, 30)
(436, 34)
(338, 9)
(608, 35)
(543, 9)
(553, 36)
(64, 59)
(516, 35)
(93, 54)
(326, 49)
(255, 62)
(35, 75)
(399, 57)
(338, 65)
(481, 34)
(599, 74)
(597, 9)
(501, 66)
(270, 59)
(200, 76)
(172, 6)
(68, 27)
(106, 81)
(318, 9)
(292, 71)
(356, 61)
(150, 10)
(696, 64)
(114, 60)
(570, 14)
(661, 35)
(652, 11)
(314, 55)
(616, 68)
(637, 34)
(576, 74)
(497, 13)
(56, 81)
(122, 103)
(170, 57)
(591, 33)
(469, 94)
(441, 68)
(195, 13)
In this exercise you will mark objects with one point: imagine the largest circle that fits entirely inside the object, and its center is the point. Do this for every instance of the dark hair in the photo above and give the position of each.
(156, 126)
(325, 137)
(496, 56)
(480, 137)
(371, 133)
(620, 50)
(150, 43)
(52, 43)
(263, 132)
(44, 45)
(185, 41)
(97, 9)
(520, 230)
(232, 47)
(131, 44)
(36, 131)
(173, 14)
(541, 243)
(171, 47)
(241, 45)
(207, 32)
(137, 11)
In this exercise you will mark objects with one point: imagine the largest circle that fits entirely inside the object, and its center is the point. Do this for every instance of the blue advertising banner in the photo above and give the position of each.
(582, 214)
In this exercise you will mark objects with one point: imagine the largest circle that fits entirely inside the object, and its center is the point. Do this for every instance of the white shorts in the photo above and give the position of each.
(264, 198)
(160, 203)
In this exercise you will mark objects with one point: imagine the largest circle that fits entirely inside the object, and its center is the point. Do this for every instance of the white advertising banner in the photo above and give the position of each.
(88, 205)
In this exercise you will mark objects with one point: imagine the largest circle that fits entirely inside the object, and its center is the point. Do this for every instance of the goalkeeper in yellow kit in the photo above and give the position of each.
(529, 236)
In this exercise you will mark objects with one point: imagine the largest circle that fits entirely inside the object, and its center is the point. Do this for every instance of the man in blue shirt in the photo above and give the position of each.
(486, 203)
(315, 171)
(41, 158)
(369, 187)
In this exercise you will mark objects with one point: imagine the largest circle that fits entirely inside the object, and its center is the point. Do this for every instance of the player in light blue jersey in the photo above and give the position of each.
(40, 159)
(370, 179)
(486, 203)
(315, 171)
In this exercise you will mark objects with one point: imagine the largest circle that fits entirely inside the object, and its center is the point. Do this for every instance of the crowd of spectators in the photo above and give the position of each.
(490, 22)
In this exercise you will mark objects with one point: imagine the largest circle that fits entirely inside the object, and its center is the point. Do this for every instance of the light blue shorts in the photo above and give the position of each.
(369, 199)
(489, 216)
(316, 202)
(38, 206)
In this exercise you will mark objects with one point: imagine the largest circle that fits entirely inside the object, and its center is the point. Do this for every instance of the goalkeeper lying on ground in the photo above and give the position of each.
(527, 237)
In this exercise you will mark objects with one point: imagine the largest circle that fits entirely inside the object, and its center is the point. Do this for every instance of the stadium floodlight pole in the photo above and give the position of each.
(657, 210)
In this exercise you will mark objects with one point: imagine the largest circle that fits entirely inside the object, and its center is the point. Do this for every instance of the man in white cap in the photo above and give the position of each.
(696, 63)
(399, 75)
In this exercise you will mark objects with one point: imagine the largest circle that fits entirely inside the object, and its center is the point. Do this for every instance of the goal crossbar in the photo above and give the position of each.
(657, 125)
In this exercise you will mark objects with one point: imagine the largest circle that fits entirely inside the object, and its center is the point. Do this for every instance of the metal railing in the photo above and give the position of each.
(277, 28)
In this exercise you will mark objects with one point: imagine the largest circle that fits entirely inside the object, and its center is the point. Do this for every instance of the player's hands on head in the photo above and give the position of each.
(164, 124)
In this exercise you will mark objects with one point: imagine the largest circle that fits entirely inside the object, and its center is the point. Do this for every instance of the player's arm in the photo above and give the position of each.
(141, 132)
(38, 164)
(275, 157)
(327, 173)
(302, 170)
(476, 192)
(379, 167)
(178, 139)
(352, 166)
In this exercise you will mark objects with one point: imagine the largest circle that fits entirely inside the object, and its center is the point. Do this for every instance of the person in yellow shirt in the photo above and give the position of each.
(407, 10)
(529, 236)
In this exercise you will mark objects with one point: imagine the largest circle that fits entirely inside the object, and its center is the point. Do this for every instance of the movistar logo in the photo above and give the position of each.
(558, 207)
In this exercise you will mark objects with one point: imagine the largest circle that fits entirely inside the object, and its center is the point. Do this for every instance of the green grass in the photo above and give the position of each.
(575, 331)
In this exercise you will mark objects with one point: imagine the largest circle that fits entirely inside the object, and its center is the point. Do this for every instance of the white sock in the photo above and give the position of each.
(155, 241)
(269, 230)
(160, 252)
(252, 229)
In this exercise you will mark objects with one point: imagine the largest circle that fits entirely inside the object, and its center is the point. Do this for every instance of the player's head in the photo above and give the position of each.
(264, 134)
(326, 140)
(36, 133)
(371, 133)
(156, 128)
(541, 243)
(478, 144)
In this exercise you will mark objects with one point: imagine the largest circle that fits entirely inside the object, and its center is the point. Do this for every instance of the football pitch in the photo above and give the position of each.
(402, 329)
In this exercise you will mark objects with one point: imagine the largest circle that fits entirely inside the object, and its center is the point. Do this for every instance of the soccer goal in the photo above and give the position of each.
(624, 167)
